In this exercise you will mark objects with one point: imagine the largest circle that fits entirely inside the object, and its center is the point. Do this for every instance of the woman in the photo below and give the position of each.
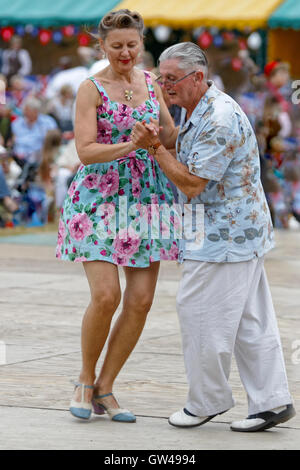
(92, 225)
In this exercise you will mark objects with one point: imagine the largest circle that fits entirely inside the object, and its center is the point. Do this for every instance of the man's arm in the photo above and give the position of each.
(178, 173)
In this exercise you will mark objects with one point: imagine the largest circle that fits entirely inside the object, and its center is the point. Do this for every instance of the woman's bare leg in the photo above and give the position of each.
(105, 291)
(138, 298)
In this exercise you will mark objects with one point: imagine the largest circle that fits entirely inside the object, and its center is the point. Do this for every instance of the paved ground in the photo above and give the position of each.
(41, 306)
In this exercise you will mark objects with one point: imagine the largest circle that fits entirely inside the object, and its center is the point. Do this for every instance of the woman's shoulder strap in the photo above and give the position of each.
(100, 88)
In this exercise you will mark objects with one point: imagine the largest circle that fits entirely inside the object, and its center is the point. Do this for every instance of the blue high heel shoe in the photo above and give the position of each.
(116, 414)
(82, 409)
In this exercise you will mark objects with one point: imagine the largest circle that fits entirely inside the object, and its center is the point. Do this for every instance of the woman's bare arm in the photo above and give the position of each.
(89, 151)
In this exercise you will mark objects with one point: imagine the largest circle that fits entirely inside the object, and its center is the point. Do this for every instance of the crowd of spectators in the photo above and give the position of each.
(275, 116)
(38, 157)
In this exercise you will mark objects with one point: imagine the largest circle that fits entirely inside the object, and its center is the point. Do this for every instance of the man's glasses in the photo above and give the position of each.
(172, 82)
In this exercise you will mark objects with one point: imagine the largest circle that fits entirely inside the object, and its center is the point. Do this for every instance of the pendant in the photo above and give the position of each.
(128, 95)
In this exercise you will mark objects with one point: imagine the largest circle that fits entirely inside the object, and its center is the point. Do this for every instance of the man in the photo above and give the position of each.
(29, 132)
(15, 60)
(224, 303)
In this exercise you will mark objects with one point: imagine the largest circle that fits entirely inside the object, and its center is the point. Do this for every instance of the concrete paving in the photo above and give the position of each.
(41, 306)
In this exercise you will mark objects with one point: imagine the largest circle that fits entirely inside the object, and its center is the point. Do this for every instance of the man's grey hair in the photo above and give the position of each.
(190, 56)
(32, 103)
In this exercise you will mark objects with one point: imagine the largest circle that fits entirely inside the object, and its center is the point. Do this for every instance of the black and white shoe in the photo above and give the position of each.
(264, 420)
(184, 419)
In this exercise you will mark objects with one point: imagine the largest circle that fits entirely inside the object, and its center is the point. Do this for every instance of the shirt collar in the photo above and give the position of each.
(201, 107)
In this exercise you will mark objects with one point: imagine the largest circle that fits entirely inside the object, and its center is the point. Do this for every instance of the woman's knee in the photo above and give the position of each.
(106, 299)
(139, 303)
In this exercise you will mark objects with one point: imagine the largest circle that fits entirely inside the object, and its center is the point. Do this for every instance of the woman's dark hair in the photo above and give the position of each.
(120, 19)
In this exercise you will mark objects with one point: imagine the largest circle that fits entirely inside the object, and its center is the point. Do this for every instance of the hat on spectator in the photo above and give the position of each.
(273, 66)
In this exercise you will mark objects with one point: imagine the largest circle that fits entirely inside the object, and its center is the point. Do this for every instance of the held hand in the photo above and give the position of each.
(153, 125)
(144, 135)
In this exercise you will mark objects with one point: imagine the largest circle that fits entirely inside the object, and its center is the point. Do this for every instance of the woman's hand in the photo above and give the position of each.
(144, 135)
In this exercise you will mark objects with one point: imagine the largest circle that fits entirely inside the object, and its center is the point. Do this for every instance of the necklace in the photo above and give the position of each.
(128, 95)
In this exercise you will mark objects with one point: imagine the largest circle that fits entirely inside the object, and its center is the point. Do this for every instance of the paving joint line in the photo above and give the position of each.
(137, 415)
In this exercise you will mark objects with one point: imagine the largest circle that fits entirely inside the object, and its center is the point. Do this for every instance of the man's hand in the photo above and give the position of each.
(144, 135)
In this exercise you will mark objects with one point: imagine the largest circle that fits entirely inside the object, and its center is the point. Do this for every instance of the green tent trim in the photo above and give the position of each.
(53, 13)
(286, 16)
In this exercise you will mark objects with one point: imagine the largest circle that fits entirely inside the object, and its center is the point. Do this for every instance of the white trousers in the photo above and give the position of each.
(226, 309)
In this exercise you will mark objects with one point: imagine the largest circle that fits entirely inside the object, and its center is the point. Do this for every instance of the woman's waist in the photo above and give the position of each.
(140, 154)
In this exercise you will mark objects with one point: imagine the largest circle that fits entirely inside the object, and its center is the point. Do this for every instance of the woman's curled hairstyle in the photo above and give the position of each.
(120, 19)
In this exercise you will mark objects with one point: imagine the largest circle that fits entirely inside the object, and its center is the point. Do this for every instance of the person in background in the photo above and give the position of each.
(29, 132)
(16, 94)
(61, 108)
(47, 172)
(278, 75)
(100, 61)
(5, 119)
(67, 165)
(7, 204)
(16, 60)
(72, 76)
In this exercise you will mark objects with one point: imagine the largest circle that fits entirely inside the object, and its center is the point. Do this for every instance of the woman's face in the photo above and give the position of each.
(122, 48)
(280, 78)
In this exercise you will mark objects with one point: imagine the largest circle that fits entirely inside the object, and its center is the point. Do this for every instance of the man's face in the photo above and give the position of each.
(31, 114)
(180, 93)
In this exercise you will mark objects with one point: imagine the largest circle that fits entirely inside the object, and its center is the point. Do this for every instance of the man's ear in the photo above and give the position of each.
(199, 75)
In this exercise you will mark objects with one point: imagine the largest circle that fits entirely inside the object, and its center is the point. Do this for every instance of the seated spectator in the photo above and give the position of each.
(67, 165)
(48, 169)
(3, 86)
(7, 205)
(29, 132)
(61, 108)
(16, 94)
(72, 76)
(16, 60)
(277, 74)
(5, 126)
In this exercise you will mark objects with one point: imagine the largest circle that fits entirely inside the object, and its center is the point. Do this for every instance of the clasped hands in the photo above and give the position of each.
(144, 134)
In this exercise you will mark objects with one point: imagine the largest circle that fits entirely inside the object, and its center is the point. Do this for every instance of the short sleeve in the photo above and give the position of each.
(212, 152)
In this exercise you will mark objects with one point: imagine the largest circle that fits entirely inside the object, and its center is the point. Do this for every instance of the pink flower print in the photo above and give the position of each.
(72, 188)
(154, 199)
(126, 243)
(165, 230)
(104, 131)
(91, 181)
(76, 198)
(123, 118)
(80, 227)
(80, 259)
(107, 211)
(176, 221)
(58, 252)
(125, 138)
(136, 188)
(137, 167)
(121, 260)
(170, 255)
(61, 233)
(109, 183)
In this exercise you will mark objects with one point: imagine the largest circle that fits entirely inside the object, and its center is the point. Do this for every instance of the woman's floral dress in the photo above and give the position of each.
(119, 211)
